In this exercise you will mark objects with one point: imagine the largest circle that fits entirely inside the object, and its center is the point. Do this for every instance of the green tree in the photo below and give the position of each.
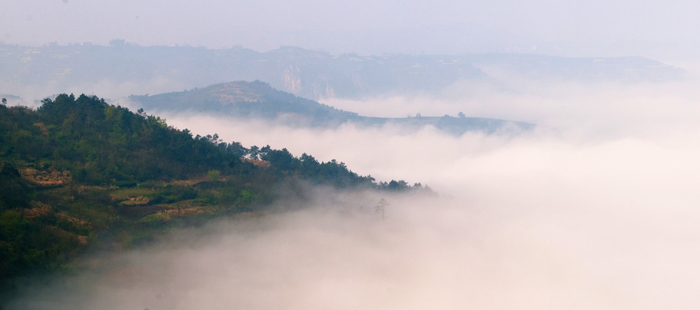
(213, 175)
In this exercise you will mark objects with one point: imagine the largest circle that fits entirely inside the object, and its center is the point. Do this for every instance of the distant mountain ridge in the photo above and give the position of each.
(310, 74)
(626, 69)
(257, 99)
(246, 100)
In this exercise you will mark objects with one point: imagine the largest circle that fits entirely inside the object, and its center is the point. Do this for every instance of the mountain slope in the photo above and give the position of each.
(78, 173)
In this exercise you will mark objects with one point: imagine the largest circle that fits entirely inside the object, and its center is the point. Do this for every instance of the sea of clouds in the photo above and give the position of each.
(597, 208)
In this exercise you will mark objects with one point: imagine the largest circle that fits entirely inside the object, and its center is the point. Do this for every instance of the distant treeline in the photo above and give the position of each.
(78, 172)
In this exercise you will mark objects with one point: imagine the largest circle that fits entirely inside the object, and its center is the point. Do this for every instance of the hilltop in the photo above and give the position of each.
(246, 100)
(250, 100)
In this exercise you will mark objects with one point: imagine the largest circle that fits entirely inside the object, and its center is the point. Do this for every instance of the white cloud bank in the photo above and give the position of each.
(600, 212)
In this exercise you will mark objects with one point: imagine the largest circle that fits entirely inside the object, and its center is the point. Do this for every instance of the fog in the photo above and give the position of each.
(596, 208)
(614, 107)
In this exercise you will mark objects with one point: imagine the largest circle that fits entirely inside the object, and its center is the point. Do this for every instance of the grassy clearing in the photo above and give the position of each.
(128, 193)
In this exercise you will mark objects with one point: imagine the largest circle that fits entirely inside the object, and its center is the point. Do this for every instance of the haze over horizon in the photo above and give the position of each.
(662, 30)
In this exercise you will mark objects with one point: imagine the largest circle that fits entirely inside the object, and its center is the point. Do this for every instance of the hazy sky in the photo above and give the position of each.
(660, 29)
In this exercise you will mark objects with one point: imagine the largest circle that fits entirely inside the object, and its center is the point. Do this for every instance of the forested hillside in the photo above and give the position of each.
(79, 173)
